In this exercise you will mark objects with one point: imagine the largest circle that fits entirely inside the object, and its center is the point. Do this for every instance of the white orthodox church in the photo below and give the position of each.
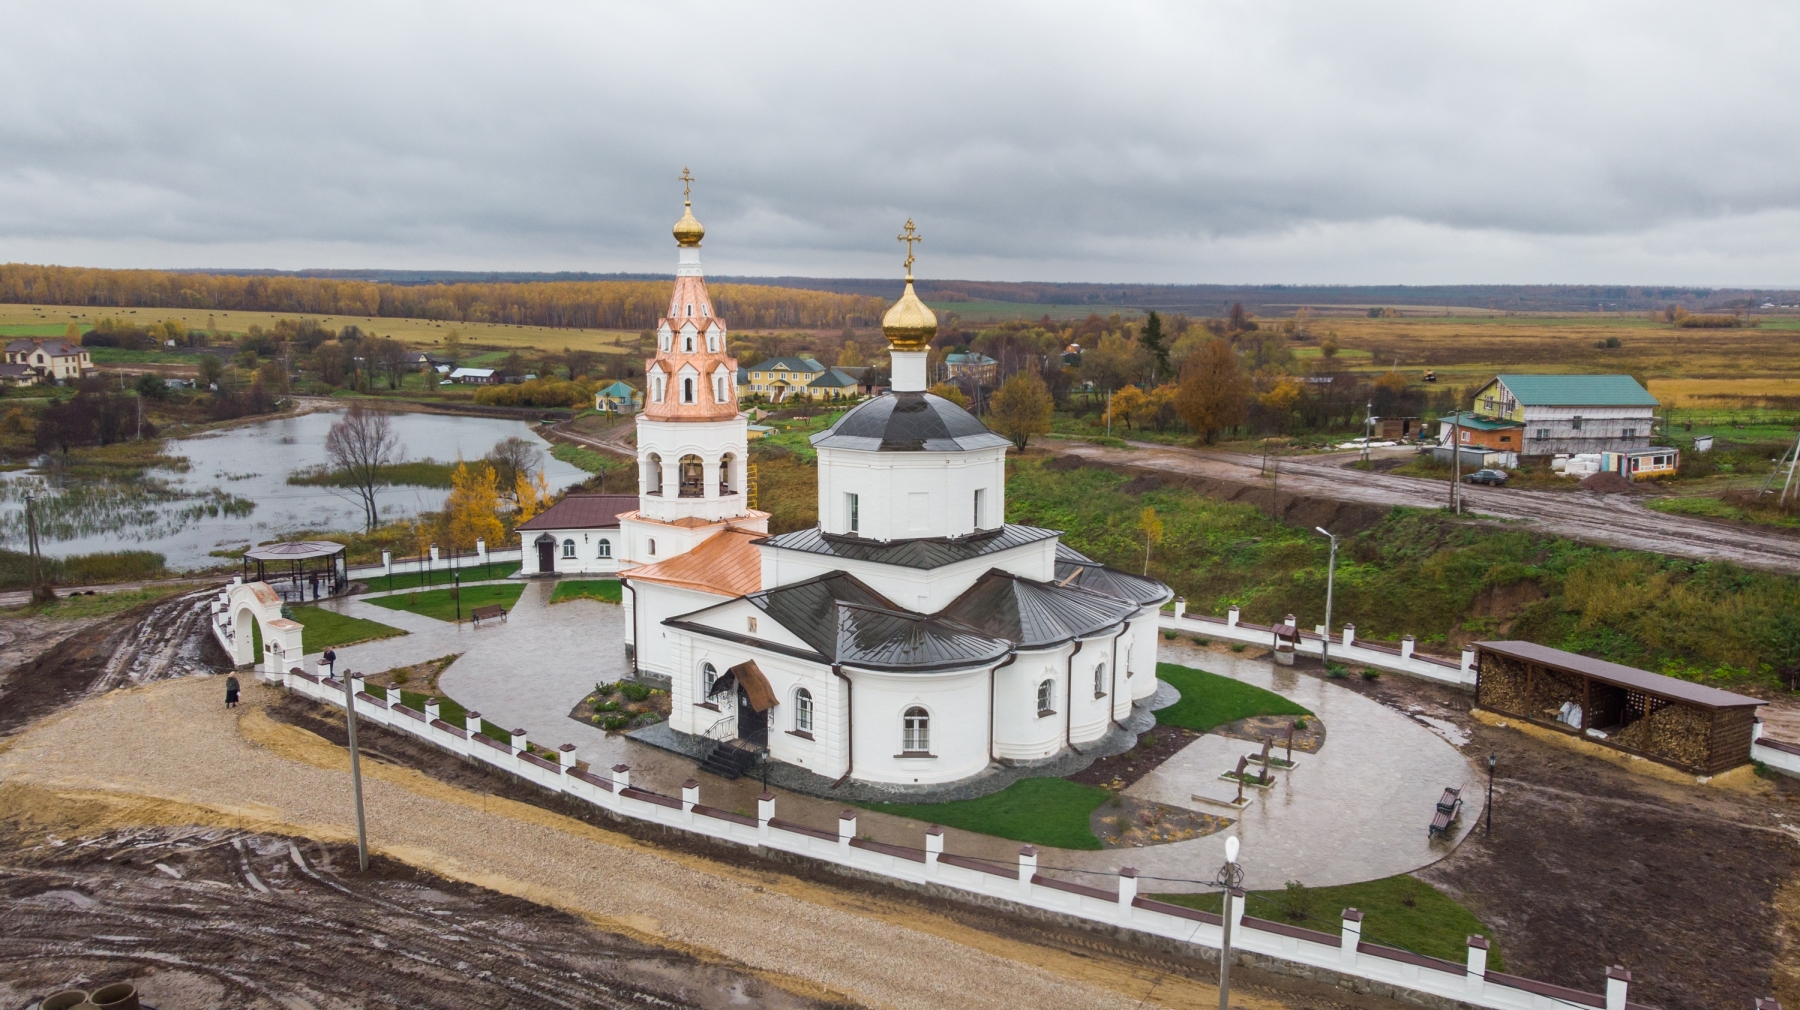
(913, 636)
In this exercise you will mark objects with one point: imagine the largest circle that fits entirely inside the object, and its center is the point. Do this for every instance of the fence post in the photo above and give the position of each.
(431, 711)
(1468, 661)
(1027, 869)
(1351, 936)
(846, 829)
(472, 722)
(356, 684)
(1128, 891)
(1349, 635)
(690, 795)
(934, 847)
(1618, 980)
(1180, 607)
(481, 550)
(621, 778)
(1231, 617)
(518, 742)
(387, 562)
(566, 754)
(1406, 647)
(434, 552)
(393, 696)
(765, 812)
(1478, 953)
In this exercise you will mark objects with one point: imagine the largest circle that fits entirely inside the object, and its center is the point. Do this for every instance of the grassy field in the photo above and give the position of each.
(49, 320)
(98, 605)
(1053, 812)
(1209, 700)
(1401, 911)
(442, 605)
(991, 311)
(326, 629)
(604, 590)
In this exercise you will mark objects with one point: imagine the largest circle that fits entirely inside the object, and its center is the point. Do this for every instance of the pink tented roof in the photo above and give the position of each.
(582, 512)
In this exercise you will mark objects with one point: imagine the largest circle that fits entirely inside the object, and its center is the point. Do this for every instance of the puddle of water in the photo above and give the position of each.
(235, 490)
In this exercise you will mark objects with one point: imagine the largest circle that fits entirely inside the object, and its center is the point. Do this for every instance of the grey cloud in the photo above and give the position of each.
(1163, 142)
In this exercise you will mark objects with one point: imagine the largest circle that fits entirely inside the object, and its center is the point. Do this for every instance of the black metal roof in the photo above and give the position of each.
(909, 422)
(1035, 615)
(1074, 568)
(925, 552)
(885, 639)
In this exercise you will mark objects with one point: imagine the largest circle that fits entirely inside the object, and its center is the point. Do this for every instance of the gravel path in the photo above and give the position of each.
(1616, 520)
(170, 753)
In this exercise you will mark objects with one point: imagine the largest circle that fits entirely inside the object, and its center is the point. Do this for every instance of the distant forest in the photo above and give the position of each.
(1192, 299)
(588, 304)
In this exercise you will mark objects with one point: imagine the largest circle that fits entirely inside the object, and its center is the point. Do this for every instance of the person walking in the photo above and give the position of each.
(231, 691)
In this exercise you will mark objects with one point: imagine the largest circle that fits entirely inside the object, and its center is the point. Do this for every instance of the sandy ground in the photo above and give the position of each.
(170, 754)
(1617, 520)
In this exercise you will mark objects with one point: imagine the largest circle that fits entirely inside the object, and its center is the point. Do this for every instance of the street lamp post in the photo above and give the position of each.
(1330, 580)
(456, 591)
(1231, 876)
(1493, 759)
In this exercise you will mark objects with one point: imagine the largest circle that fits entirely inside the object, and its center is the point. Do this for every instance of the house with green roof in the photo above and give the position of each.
(1570, 413)
(618, 398)
(780, 378)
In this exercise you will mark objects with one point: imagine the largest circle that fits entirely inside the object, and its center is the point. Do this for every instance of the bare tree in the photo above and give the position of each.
(511, 457)
(360, 446)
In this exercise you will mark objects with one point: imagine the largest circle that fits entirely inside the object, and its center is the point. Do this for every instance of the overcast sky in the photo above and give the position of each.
(1187, 143)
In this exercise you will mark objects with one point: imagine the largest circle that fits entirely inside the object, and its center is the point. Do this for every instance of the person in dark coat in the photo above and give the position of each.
(231, 691)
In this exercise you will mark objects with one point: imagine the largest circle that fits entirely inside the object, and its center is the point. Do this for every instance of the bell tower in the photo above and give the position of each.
(692, 443)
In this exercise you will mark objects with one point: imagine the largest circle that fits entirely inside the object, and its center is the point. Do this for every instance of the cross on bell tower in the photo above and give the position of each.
(909, 235)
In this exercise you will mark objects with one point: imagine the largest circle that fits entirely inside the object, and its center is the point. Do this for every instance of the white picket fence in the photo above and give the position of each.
(1344, 646)
(436, 562)
(1342, 958)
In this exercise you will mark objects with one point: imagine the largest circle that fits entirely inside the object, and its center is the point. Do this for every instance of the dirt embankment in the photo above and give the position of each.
(1590, 865)
(215, 918)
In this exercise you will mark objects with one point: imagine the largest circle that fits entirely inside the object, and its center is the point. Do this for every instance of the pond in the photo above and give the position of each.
(235, 491)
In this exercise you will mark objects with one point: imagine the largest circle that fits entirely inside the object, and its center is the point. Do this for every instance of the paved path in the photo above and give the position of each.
(1355, 811)
(1616, 519)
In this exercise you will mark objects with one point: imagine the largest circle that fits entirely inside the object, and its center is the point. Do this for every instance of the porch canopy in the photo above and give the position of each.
(1693, 727)
(298, 569)
(756, 686)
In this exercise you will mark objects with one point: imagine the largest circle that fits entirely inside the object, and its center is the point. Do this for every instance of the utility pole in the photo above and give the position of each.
(1368, 427)
(1330, 580)
(1231, 875)
(362, 833)
(1456, 462)
(1109, 413)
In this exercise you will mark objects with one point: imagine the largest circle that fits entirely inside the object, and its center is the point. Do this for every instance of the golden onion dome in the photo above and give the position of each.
(910, 324)
(689, 231)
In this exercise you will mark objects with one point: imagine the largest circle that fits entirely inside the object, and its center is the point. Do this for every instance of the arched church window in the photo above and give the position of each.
(915, 733)
(687, 343)
(721, 392)
(1046, 698)
(605, 550)
(693, 477)
(568, 548)
(653, 547)
(690, 308)
(1099, 680)
(708, 676)
(653, 476)
(803, 710)
(725, 472)
(687, 389)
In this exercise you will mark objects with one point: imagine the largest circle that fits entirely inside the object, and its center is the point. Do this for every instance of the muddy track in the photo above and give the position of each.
(190, 914)
(1614, 520)
(158, 640)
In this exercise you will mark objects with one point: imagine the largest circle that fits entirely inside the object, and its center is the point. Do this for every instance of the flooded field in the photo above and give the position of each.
(234, 489)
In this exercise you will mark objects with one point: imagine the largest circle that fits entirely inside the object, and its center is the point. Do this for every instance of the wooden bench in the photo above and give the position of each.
(480, 614)
(1448, 806)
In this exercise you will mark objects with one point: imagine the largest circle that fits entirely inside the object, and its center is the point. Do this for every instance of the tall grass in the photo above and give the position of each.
(82, 569)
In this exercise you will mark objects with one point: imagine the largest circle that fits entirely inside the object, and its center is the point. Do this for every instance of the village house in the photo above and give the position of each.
(1569, 413)
(474, 376)
(974, 366)
(780, 378)
(56, 360)
(618, 398)
(577, 536)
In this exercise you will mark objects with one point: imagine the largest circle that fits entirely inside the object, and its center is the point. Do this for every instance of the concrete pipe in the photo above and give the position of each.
(118, 996)
(64, 1000)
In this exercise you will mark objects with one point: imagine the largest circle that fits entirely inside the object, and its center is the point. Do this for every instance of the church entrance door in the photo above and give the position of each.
(752, 726)
(546, 548)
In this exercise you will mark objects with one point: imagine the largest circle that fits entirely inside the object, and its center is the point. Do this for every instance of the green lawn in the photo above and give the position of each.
(1040, 811)
(1433, 923)
(441, 576)
(327, 629)
(1209, 700)
(604, 590)
(442, 605)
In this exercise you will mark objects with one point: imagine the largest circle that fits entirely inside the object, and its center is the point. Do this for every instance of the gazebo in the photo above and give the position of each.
(299, 570)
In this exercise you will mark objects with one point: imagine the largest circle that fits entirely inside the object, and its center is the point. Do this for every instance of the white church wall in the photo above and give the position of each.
(647, 605)
(1090, 710)
(1143, 652)
(586, 543)
(741, 617)
(957, 705)
(908, 495)
(1021, 733)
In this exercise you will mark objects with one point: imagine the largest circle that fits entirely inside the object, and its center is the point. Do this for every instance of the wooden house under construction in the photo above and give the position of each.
(1695, 728)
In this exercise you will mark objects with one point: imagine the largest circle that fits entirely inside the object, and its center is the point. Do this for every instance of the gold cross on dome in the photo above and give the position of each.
(687, 184)
(909, 235)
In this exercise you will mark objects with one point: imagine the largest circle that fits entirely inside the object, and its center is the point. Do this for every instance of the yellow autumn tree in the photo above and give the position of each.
(1151, 526)
(1128, 405)
(473, 509)
(533, 495)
